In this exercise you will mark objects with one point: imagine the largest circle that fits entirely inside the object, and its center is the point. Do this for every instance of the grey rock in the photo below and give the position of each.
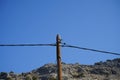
(109, 70)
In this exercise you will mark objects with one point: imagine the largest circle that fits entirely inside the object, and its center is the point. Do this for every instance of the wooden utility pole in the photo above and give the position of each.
(59, 66)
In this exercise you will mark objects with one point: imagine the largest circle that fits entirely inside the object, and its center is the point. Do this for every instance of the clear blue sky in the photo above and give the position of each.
(86, 23)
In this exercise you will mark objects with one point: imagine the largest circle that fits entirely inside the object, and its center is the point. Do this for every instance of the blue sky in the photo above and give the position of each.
(86, 23)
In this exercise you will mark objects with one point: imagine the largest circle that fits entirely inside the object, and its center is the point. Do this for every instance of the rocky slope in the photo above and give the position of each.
(109, 70)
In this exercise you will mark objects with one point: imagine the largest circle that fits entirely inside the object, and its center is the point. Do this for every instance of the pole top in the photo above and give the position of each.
(57, 34)
(58, 38)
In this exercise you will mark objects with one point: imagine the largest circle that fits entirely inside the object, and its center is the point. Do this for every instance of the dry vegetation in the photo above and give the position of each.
(109, 70)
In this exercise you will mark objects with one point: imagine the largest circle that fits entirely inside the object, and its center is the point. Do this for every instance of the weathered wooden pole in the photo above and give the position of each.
(59, 66)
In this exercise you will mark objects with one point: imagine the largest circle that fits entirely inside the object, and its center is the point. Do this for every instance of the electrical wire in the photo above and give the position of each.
(27, 44)
(62, 45)
(88, 49)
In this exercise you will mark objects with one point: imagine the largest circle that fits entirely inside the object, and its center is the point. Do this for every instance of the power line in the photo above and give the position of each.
(27, 44)
(88, 49)
(62, 45)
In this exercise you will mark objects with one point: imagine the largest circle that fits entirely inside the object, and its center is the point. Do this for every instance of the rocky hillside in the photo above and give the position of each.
(109, 70)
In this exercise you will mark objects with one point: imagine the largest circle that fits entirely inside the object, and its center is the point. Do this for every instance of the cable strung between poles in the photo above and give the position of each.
(62, 45)
(27, 44)
(88, 49)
